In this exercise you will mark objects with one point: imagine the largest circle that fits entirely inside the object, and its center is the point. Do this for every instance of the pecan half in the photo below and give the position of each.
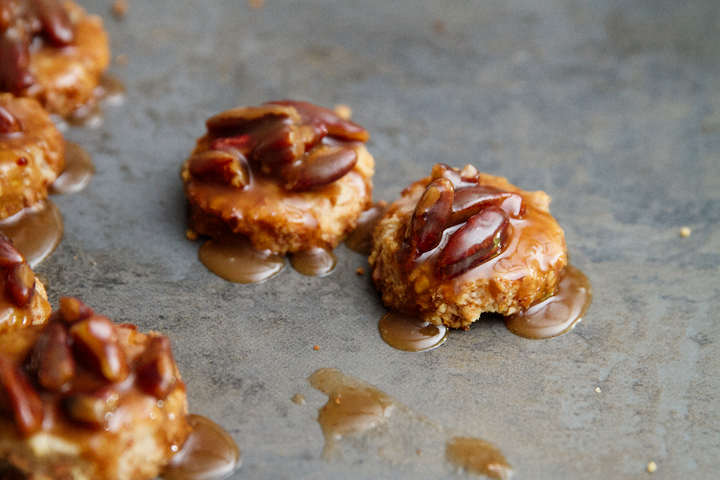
(73, 310)
(18, 397)
(322, 165)
(52, 358)
(225, 166)
(155, 368)
(324, 119)
(471, 200)
(96, 345)
(430, 216)
(20, 286)
(8, 123)
(483, 236)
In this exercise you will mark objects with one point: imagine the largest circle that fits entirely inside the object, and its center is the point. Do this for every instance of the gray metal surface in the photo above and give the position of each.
(612, 107)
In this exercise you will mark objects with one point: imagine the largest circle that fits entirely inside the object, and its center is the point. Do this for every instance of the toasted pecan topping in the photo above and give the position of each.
(17, 275)
(456, 197)
(306, 146)
(79, 364)
(21, 22)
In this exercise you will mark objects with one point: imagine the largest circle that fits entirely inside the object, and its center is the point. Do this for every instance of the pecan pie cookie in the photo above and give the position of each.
(23, 300)
(32, 153)
(51, 50)
(291, 176)
(84, 398)
(460, 243)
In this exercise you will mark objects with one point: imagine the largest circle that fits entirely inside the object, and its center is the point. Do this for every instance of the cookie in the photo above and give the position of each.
(52, 51)
(460, 243)
(84, 398)
(290, 176)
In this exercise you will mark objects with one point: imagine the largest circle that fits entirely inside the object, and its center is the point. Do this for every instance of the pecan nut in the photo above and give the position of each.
(471, 200)
(73, 310)
(8, 123)
(20, 286)
(18, 396)
(225, 166)
(483, 236)
(430, 216)
(96, 344)
(52, 358)
(88, 409)
(156, 368)
(322, 165)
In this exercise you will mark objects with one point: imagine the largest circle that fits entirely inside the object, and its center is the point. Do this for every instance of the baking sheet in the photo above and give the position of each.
(613, 108)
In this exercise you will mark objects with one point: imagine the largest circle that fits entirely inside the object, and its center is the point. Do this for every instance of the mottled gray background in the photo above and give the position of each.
(612, 107)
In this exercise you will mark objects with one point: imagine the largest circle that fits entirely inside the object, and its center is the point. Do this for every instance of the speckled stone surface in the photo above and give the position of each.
(611, 107)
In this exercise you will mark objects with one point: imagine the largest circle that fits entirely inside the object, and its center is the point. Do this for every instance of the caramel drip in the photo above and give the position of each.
(360, 239)
(557, 314)
(411, 333)
(79, 169)
(35, 231)
(479, 457)
(317, 262)
(209, 453)
(238, 262)
(353, 407)
(359, 415)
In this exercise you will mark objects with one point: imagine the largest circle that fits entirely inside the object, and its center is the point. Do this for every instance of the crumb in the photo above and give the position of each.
(298, 399)
(685, 232)
(256, 3)
(337, 400)
(120, 8)
(652, 466)
(122, 60)
(439, 26)
(191, 234)
(597, 390)
(316, 347)
(360, 271)
(418, 451)
(343, 111)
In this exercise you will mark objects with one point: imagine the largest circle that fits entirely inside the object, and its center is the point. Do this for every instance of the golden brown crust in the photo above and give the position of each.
(31, 159)
(139, 432)
(65, 78)
(526, 271)
(273, 217)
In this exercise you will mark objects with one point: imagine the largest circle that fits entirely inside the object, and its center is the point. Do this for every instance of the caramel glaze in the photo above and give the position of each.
(36, 231)
(479, 457)
(410, 332)
(557, 314)
(209, 453)
(78, 172)
(235, 260)
(360, 239)
(383, 426)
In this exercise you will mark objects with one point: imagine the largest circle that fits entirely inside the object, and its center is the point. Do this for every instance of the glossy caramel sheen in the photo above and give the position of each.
(78, 172)
(479, 457)
(209, 453)
(353, 407)
(235, 260)
(559, 313)
(36, 231)
(410, 333)
(316, 262)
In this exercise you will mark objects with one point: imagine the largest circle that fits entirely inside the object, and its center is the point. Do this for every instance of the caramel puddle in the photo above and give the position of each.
(478, 456)
(411, 333)
(79, 169)
(35, 231)
(317, 262)
(238, 262)
(209, 453)
(557, 314)
(360, 416)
